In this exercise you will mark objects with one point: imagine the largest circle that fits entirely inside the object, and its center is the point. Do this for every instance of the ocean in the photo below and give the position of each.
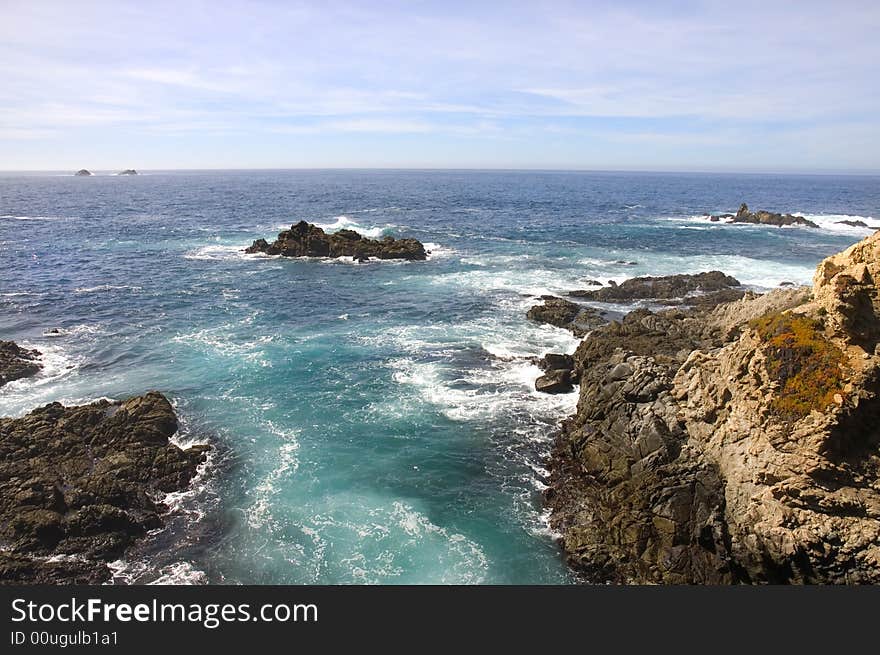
(373, 422)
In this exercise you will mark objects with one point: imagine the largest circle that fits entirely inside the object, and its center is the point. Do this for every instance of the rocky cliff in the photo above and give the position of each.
(730, 444)
(78, 485)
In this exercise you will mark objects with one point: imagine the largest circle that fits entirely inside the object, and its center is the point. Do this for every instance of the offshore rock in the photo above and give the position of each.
(83, 173)
(769, 218)
(78, 485)
(307, 240)
(735, 444)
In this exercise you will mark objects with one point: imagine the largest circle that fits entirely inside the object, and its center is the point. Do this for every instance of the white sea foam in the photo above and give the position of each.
(345, 223)
(380, 540)
(29, 392)
(180, 573)
(259, 514)
(124, 572)
(438, 251)
(217, 253)
(832, 223)
(826, 222)
(107, 287)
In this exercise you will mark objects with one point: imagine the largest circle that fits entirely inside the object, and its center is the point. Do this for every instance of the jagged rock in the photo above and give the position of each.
(769, 218)
(128, 171)
(736, 444)
(566, 314)
(83, 173)
(845, 288)
(555, 381)
(17, 362)
(665, 287)
(79, 485)
(307, 240)
(555, 362)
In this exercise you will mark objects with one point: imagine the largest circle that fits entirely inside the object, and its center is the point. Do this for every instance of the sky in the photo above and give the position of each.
(618, 85)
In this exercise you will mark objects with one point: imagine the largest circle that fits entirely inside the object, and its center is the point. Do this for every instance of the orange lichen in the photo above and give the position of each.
(807, 366)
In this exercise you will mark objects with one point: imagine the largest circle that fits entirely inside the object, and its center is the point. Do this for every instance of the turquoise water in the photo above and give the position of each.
(374, 423)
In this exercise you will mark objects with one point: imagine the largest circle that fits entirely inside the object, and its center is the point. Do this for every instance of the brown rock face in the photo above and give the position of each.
(17, 362)
(736, 444)
(307, 240)
(78, 485)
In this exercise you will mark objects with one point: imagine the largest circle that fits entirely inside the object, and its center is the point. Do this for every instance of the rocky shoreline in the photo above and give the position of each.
(726, 442)
(80, 485)
(17, 362)
(307, 240)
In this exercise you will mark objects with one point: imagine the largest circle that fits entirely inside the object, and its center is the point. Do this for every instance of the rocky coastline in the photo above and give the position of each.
(725, 442)
(80, 485)
(306, 240)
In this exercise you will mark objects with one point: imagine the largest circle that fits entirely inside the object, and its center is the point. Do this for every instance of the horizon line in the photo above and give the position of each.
(817, 172)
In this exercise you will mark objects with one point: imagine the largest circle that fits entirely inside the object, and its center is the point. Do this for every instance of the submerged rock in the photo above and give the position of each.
(734, 444)
(769, 218)
(17, 362)
(83, 172)
(78, 485)
(307, 240)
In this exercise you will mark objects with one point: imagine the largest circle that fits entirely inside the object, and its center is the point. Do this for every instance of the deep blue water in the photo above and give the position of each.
(374, 422)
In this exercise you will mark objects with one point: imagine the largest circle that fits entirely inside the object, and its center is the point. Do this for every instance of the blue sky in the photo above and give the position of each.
(744, 86)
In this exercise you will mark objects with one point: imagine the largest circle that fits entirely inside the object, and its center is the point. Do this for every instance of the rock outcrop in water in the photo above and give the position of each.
(566, 314)
(83, 173)
(668, 287)
(761, 217)
(857, 224)
(734, 444)
(17, 362)
(307, 240)
(128, 171)
(78, 485)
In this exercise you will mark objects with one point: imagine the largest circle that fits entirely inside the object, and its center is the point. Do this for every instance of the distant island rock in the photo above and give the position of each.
(761, 217)
(79, 485)
(17, 362)
(83, 173)
(128, 171)
(306, 240)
